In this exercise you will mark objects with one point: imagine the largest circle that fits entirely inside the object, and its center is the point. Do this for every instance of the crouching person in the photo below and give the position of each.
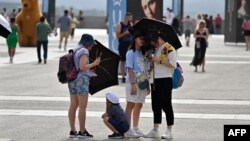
(115, 118)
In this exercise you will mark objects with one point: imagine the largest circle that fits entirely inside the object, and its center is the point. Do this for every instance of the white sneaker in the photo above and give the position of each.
(153, 134)
(167, 135)
(139, 132)
(11, 60)
(131, 134)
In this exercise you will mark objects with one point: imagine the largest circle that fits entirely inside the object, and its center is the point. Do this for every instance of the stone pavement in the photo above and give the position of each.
(33, 104)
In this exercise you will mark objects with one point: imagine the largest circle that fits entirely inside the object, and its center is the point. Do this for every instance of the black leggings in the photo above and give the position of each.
(161, 92)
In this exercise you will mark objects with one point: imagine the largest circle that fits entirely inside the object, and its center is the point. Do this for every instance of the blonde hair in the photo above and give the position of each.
(202, 22)
(200, 17)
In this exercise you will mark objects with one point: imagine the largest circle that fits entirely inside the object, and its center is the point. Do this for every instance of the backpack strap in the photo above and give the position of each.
(73, 54)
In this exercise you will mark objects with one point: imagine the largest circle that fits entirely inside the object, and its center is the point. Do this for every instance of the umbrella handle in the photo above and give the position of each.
(100, 55)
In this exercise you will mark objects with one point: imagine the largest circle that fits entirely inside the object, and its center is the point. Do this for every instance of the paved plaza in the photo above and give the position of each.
(33, 104)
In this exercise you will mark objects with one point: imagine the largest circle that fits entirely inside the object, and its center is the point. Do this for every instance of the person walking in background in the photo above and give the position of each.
(197, 21)
(211, 25)
(201, 38)
(114, 117)
(81, 18)
(207, 20)
(187, 28)
(42, 30)
(73, 24)
(176, 26)
(71, 10)
(137, 70)
(169, 16)
(4, 13)
(124, 37)
(161, 90)
(242, 12)
(64, 22)
(246, 28)
(79, 88)
(12, 39)
(13, 14)
(218, 22)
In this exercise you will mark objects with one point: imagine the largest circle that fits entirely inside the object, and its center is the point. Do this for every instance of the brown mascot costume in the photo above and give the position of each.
(27, 20)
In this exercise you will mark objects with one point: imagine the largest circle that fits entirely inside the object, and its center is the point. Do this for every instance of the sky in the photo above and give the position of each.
(191, 7)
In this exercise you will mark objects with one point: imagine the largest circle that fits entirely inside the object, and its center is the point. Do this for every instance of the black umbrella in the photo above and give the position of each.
(150, 27)
(107, 70)
(5, 29)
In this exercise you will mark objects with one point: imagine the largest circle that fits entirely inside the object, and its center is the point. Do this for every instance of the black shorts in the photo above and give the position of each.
(123, 48)
(187, 33)
(247, 33)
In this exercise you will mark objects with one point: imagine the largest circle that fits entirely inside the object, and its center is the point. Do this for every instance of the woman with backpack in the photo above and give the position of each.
(164, 61)
(79, 88)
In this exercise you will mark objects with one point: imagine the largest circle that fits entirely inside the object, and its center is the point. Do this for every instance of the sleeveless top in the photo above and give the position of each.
(198, 33)
(14, 29)
(128, 37)
(12, 38)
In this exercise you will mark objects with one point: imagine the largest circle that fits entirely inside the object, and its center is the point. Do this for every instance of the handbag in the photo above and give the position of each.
(142, 81)
(197, 44)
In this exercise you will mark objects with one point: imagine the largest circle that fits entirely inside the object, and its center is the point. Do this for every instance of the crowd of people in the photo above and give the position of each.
(138, 64)
(67, 24)
(214, 25)
(156, 67)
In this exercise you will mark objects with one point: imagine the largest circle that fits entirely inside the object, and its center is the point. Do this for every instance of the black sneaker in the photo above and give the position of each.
(72, 134)
(84, 134)
(115, 136)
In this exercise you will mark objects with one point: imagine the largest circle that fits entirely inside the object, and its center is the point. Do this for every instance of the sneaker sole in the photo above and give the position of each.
(83, 137)
(141, 135)
(115, 137)
(152, 137)
(167, 138)
(132, 137)
(72, 136)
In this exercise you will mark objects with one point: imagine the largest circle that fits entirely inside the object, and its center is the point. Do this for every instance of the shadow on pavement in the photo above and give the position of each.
(126, 139)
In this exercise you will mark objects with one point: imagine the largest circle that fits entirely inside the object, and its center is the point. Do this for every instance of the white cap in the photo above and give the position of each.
(112, 98)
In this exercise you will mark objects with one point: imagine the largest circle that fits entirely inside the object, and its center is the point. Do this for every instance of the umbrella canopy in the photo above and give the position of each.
(107, 70)
(149, 27)
(5, 29)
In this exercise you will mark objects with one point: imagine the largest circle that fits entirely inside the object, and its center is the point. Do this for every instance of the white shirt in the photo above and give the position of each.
(170, 17)
(161, 70)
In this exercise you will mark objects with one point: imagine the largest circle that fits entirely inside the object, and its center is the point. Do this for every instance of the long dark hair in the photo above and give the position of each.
(153, 36)
(132, 45)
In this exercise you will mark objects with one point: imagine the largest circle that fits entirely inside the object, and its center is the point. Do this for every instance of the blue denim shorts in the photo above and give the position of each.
(80, 86)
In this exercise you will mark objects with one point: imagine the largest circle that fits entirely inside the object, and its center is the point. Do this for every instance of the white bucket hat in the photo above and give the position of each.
(112, 98)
